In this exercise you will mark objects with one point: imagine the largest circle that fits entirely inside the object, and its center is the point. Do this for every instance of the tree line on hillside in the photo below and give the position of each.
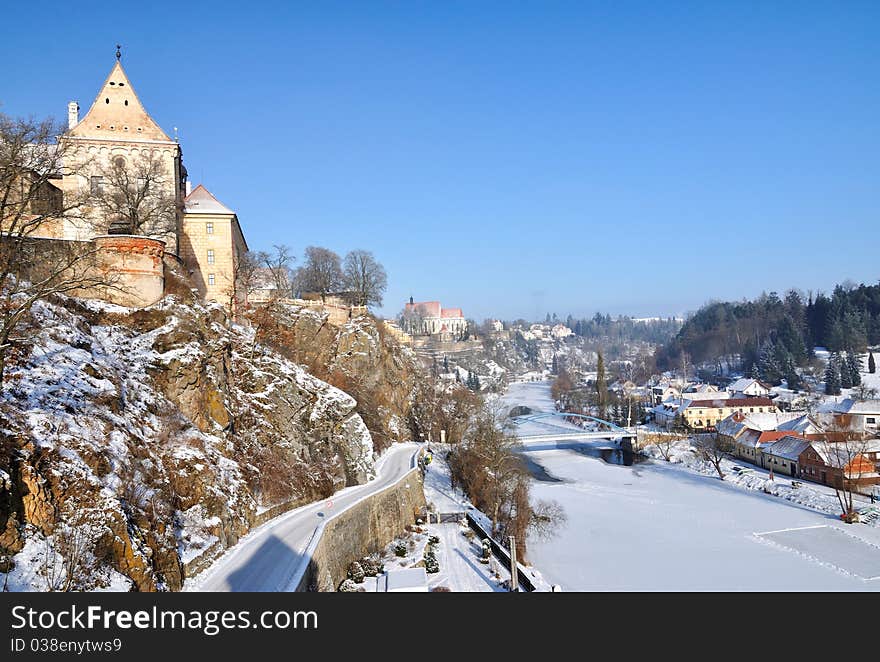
(771, 336)
(618, 329)
(359, 277)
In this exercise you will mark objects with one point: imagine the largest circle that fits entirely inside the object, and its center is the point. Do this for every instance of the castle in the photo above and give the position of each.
(141, 210)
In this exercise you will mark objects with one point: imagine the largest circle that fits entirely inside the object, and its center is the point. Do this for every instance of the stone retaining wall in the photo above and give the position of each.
(367, 527)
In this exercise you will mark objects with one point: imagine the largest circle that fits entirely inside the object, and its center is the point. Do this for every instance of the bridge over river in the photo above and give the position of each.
(559, 429)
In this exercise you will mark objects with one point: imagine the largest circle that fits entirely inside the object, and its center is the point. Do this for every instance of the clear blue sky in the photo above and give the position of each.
(511, 158)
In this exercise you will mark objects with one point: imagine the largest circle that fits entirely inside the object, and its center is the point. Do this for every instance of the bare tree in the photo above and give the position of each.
(714, 449)
(847, 452)
(31, 204)
(365, 278)
(245, 279)
(321, 273)
(278, 266)
(137, 196)
(68, 551)
(412, 319)
(547, 518)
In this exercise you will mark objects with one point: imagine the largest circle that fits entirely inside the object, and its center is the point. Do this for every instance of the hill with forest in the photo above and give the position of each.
(776, 334)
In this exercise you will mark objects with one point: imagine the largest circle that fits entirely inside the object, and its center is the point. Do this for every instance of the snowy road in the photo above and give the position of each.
(267, 559)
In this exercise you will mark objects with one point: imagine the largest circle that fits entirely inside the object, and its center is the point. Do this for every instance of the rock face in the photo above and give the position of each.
(356, 356)
(134, 440)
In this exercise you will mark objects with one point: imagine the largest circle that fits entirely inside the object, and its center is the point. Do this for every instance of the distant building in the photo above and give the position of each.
(865, 414)
(560, 331)
(429, 318)
(749, 388)
(706, 414)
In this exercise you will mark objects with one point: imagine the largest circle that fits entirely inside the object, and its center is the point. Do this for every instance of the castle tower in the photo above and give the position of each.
(117, 126)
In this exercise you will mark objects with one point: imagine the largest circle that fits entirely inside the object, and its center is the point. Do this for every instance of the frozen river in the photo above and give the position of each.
(658, 527)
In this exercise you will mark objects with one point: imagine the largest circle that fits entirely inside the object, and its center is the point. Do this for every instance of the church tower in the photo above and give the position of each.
(117, 130)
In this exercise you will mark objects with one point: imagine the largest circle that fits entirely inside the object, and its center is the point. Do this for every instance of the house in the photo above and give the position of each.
(865, 414)
(840, 464)
(783, 454)
(560, 331)
(749, 388)
(701, 388)
(664, 393)
(706, 414)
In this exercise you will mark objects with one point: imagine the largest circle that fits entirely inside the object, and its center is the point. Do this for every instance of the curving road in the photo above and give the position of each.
(269, 558)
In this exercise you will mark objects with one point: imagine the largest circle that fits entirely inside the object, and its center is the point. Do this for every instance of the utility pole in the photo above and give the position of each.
(513, 579)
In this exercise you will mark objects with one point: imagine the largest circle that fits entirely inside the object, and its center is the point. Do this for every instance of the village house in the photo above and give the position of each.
(864, 414)
(783, 454)
(560, 331)
(749, 388)
(664, 393)
(706, 414)
(839, 464)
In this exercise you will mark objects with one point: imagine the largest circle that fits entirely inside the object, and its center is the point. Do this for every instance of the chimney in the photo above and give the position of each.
(189, 187)
(72, 114)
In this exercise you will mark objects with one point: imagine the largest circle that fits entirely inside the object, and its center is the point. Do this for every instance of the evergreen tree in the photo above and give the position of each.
(853, 367)
(555, 369)
(846, 380)
(792, 378)
(445, 364)
(832, 375)
(872, 367)
(601, 386)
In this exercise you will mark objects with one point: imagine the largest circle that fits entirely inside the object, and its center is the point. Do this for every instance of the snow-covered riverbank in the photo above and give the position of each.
(655, 526)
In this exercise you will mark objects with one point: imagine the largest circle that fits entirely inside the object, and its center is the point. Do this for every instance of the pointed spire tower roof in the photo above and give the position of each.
(117, 113)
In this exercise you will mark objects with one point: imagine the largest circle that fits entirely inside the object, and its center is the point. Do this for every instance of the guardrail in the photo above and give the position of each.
(502, 554)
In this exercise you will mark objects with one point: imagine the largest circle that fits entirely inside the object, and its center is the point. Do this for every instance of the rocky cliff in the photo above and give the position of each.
(358, 357)
(135, 440)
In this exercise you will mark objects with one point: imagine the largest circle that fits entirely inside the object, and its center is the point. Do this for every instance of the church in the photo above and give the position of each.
(133, 178)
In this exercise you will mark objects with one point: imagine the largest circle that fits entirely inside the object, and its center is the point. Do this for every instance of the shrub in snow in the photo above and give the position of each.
(372, 565)
(356, 572)
(487, 551)
(400, 549)
(431, 563)
(434, 540)
(441, 589)
(348, 586)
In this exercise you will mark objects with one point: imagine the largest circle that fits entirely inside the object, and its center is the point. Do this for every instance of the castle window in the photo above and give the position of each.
(210, 279)
(97, 185)
(140, 129)
(210, 256)
(107, 100)
(209, 228)
(126, 102)
(112, 83)
(121, 84)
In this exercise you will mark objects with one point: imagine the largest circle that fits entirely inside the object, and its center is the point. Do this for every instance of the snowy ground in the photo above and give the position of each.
(657, 526)
(457, 554)
(460, 552)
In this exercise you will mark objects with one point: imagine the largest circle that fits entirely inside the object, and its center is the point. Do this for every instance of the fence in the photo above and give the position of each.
(502, 554)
